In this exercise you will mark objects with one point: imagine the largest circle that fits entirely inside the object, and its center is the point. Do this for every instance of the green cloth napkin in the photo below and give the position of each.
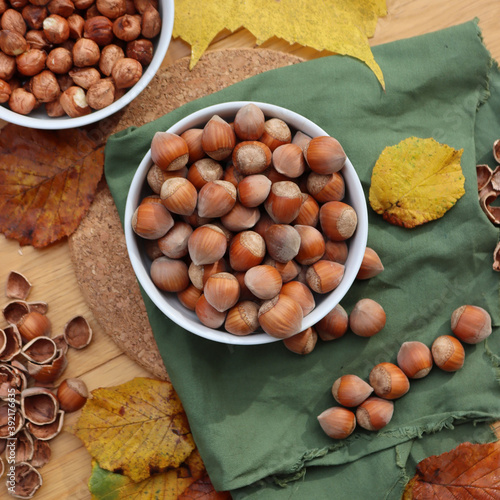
(253, 409)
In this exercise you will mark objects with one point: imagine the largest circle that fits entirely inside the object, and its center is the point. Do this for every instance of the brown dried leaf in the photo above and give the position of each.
(469, 471)
(47, 182)
(204, 490)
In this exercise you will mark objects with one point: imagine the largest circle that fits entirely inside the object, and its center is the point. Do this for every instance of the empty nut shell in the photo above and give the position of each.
(77, 332)
(18, 286)
(39, 405)
(46, 432)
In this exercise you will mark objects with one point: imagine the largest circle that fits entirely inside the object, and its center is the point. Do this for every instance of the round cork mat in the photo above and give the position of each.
(97, 247)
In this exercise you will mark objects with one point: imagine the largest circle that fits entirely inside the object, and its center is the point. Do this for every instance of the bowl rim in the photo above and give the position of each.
(199, 117)
(166, 8)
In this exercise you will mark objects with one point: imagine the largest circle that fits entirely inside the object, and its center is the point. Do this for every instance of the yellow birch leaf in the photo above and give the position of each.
(138, 428)
(416, 181)
(340, 26)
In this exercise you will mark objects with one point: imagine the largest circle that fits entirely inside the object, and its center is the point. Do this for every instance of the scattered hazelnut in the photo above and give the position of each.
(142, 50)
(151, 22)
(59, 60)
(101, 94)
(74, 102)
(99, 29)
(109, 55)
(86, 53)
(55, 28)
(85, 77)
(45, 87)
(31, 62)
(126, 72)
(34, 15)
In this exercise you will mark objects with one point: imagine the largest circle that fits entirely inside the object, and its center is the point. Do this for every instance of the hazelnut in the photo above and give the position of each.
(337, 422)
(222, 291)
(37, 40)
(448, 353)
(85, 77)
(126, 72)
(5, 91)
(13, 20)
(101, 94)
(179, 196)
(45, 86)
(142, 5)
(111, 8)
(303, 342)
(367, 318)
(415, 359)
(276, 132)
(3, 6)
(208, 315)
(72, 394)
(263, 281)
(12, 43)
(471, 324)
(127, 27)
(59, 60)
(324, 155)
(130, 7)
(169, 275)
(389, 381)
(62, 8)
(242, 319)
(109, 55)
(351, 390)
(55, 28)
(151, 22)
(92, 12)
(22, 101)
(207, 244)
(249, 122)
(74, 102)
(34, 15)
(54, 108)
(247, 250)
(281, 316)
(374, 413)
(31, 62)
(85, 53)
(34, 2)
(324, 276)
(370, 266)
(65, 82)
(218, 139)
(7, 66)
(76, 24)
(99, 29)
(333, 325)
(83, 4)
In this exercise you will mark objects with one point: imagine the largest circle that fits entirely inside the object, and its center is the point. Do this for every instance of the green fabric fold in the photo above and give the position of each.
(253, 409)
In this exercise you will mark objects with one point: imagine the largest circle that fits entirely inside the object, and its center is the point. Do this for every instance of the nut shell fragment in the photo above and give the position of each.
(47, 373)
(24, 447)
(483, 173)
(14, 343)
(41, 453)
(18, 286)
(40, 350)
(77, 332)
(15, 310)
(39, 405)
(27, 481)
(6, 422)
(47, 431)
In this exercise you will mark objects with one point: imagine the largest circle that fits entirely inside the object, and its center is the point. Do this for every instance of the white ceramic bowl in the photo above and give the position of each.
(38, 119)
(168, 302)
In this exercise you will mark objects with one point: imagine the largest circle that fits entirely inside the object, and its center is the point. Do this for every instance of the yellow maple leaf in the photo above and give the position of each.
(416, 181)
(138, 428)
(341, 26)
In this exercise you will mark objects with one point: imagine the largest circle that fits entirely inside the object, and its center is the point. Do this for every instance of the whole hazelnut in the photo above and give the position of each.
(142, 5)
(37, 40)
(5, 91)
(19, 4)
(65, 82)
(101, 94)
(111, 8)
(127, 27)
(130, 7)
(22, 101)
(74, 102)
(62, 8)
(141, 50)
(76, 24)
(35, 2)
(54, 109)
(7, 66)
(4, 6)
(109, 55)
(31, 62)
(92, 12)
(12, 43)
(151, 22)
(99, 29)
(13, 20)
(34, 15)
(126, 72)
(83, 4)
(55, 28)
(85, 53)
(85, 77)
(59, 60)
(45, 87)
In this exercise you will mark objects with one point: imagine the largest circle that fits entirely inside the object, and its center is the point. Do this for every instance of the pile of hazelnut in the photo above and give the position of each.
(73, 56)
(32, 408)
(246, 223)
(470, 324)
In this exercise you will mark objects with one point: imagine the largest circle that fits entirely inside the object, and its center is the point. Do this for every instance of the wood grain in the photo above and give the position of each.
(51, 271)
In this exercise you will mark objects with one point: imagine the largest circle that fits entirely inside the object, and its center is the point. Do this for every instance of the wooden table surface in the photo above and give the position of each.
(50, 270)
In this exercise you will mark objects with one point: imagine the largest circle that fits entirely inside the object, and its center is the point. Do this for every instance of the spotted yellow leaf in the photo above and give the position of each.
(339, 26)
(137, 429)
(416, 181)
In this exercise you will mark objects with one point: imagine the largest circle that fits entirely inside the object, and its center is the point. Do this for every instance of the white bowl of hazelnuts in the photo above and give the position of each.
(246, 223)
(69, 63)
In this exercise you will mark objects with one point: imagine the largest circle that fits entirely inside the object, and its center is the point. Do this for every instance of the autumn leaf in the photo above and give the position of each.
(204, 490)
(341, 26)
(169, 485)
(469, 471)
(416, 181)
(138, 428)
(47, 182)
